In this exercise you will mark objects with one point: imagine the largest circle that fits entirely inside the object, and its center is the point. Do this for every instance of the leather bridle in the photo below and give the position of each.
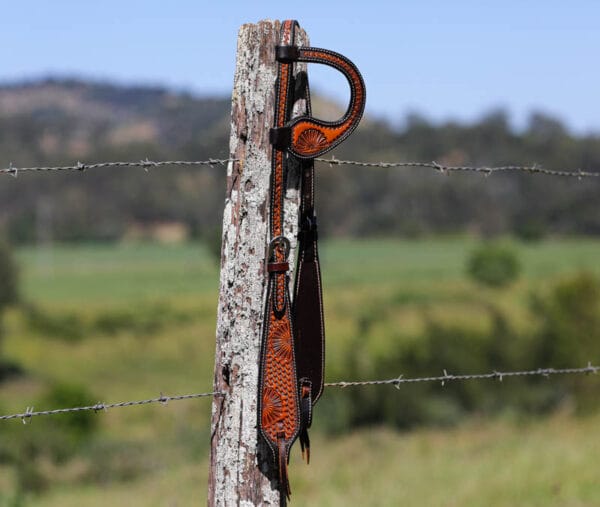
(292, 362)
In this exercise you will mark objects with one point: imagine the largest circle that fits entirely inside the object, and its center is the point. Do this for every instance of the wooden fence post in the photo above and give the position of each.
(240, 469)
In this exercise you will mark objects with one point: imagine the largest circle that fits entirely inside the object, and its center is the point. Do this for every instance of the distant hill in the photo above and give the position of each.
(58, 121)
(72, 118)
(55, 121)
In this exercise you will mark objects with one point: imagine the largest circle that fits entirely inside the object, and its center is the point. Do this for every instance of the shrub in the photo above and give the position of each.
(494, 265)
(529, 230)
(9, 294)
(454, 347)
(570, 321)
(112, 460)
(29, 449)
(569, 333)
(67, 326)
(8, 277)
(142, 320)
(213, 242)
(78, 425)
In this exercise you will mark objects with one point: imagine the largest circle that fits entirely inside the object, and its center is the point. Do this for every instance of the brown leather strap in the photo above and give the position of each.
(308, 304)
(278, 403)
(278, 267)
(292, 363)
(308, 297)
(310, 137)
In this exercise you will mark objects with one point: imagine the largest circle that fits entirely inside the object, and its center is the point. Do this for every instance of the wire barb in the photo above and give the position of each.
(163, 400)
(212, 162)
(13, 171)
(396, 382)
(99, 407)
(103, 407)
(26, 417)
(145, 164)
(447, 377)
(485, 170)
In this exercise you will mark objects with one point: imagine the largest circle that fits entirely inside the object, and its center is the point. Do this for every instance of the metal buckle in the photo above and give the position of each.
(279, 241)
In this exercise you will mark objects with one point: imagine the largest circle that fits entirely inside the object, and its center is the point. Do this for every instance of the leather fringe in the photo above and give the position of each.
(284, 483)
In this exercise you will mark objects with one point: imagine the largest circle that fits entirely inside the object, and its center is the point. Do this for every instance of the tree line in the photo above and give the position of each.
(58, 122)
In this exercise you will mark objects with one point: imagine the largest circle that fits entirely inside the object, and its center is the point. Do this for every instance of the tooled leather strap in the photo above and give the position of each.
(307, 137)
(293, 344)
(278, 403)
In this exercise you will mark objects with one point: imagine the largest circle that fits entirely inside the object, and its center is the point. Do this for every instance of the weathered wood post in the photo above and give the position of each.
(239, 475)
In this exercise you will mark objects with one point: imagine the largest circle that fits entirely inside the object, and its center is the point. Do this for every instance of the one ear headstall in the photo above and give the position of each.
(307, 137)
(291, 371)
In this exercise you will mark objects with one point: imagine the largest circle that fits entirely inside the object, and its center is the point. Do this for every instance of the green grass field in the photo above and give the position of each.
(108, 274)
(161, 302)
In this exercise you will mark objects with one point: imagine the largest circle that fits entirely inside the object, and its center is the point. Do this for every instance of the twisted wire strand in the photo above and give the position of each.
(447, 377)
(485, 170)
(145, 164)
(441, 168)
(397, 382)
(98, 407)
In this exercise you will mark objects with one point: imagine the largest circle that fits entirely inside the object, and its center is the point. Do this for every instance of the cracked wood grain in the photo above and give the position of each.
(240, 467)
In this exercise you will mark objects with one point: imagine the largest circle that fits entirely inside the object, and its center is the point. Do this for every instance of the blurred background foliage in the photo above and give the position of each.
(114, 298)
(494, 265)
(56, 122)
(128, 321)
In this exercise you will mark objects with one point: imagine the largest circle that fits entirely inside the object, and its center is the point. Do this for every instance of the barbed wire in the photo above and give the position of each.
(448, 377)
(444, 169)
(98, 407)
(397, 382)
(145, 164)
(441, 168)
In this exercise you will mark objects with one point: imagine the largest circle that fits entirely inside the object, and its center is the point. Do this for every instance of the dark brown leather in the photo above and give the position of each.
(308, 308)
(292, 363)
(287, 54)
(278, 267)
(280, 137)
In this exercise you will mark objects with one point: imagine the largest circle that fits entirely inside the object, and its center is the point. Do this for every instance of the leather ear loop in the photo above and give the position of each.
(310, 137)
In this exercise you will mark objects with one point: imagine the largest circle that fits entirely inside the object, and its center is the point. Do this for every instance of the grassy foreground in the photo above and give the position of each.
(148, 316)
(495, 464)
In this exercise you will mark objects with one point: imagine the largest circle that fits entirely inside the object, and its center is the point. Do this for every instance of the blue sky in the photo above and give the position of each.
(444, 59)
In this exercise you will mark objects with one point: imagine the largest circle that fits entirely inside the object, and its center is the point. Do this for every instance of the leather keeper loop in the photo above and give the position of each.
(287, 54)
(307, 237)
(305, 387)
(280, 137)
(308, 230)
(278, 267)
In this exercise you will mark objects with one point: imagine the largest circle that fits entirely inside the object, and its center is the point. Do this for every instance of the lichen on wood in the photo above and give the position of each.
(240, 474)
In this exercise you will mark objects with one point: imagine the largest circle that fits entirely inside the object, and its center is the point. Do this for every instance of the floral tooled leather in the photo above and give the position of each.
(278, 401)
(328, 134)
(293, 342)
